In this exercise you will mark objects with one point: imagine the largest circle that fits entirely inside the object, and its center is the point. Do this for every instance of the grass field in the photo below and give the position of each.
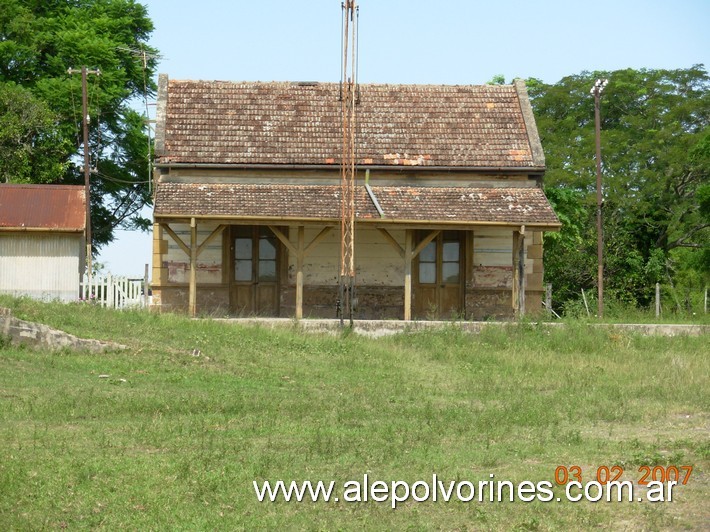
(155, 437)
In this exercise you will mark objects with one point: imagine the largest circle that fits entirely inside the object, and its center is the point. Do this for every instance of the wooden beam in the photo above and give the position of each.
(408, 256)
(320, 236)
(518, 289)
(193, 268)
(521, 274)
(210, 238)
(176, 238)
(431, 236)
(389, 238)
(300, 253)
(283, 238)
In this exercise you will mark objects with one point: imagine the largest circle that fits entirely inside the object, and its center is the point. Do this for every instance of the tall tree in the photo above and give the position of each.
(39, 41)
(656, 167)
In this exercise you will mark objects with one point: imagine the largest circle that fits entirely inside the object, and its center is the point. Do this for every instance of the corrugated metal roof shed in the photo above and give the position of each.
(42, 208)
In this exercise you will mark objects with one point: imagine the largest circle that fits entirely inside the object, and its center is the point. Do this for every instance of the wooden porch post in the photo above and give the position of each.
(408, 239)
(300, 253)
(193, 268)
(518, 291)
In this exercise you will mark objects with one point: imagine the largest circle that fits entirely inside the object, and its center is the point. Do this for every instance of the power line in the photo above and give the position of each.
(145, 57)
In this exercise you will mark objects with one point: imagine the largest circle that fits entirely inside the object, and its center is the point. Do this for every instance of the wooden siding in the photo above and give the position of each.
(41, 266)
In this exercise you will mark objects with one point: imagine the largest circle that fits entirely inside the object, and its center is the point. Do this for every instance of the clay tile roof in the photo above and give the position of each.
(42, 207)
(250, 123)
(515, 206)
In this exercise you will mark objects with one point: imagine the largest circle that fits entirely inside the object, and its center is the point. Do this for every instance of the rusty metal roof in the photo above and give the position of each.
(253, 123)
(450, 205)
(42, 208)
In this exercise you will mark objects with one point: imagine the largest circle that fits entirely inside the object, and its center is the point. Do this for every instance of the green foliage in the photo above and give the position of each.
(30, 141)
(39, 41)
(656, 167)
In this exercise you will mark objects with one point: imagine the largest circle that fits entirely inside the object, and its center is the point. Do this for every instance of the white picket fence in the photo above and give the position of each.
(113, 292)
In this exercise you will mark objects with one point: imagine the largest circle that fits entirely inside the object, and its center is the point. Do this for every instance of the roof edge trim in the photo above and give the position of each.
(161, 114)
(530, 124)
(387, 221)
(399, 168)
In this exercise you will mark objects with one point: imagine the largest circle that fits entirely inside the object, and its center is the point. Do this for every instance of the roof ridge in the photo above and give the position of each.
(314, 83)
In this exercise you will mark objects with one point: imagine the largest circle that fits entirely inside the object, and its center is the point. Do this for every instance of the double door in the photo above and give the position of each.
(439, 277)
(255, 260)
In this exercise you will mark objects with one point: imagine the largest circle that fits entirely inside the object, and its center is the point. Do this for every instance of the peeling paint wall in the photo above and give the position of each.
(492, 258)
(177, 263)
(376, 261)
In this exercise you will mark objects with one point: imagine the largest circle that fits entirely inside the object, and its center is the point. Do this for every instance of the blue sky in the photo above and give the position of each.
(441, 42)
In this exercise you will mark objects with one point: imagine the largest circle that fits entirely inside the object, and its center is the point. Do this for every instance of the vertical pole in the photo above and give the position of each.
(193, 268)
(408, 238)
(548, 299)
(706, 300)
(596, 90)
(300, 252)
(658, 300)
(87, 174)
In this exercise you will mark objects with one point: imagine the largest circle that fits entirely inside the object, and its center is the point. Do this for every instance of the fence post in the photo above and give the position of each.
(146, 300)
(548, 299)
(109, 298)
(586, 306)
(658, 300)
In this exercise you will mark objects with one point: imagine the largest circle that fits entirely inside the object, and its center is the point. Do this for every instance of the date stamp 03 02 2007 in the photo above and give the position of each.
(678, 474)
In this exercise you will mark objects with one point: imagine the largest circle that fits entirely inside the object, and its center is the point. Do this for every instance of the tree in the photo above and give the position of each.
(39, 41)
(656, 167)
(30, 143)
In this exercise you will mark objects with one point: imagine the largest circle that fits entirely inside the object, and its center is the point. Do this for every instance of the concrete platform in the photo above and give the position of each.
(379, 328)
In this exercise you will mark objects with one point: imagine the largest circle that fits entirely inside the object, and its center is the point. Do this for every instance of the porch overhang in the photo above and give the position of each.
(404, 206)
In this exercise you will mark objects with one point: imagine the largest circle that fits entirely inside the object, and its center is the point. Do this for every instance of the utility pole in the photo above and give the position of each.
(348, 96)
(596, 92)
(87, 171)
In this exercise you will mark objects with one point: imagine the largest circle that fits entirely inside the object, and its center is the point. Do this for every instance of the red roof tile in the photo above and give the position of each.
(216, 122)
(515, 206)
(42, 207)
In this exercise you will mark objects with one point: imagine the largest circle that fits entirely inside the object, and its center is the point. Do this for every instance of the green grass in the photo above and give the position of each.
(173, 441)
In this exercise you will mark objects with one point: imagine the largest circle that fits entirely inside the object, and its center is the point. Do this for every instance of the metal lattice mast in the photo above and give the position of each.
(348, 91)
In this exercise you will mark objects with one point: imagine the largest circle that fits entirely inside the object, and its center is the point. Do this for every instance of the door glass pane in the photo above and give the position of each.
(267, 270)
(427, 272)
(242, 270)
(451, 252)
(428, 254)
(450, 272)
(267, 249)
(242, 248)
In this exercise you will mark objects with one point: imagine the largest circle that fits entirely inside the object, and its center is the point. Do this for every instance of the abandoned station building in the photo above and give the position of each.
(450, 210)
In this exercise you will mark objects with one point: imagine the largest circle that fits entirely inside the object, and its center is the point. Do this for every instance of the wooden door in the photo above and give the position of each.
(439, 277)
(254, 285)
